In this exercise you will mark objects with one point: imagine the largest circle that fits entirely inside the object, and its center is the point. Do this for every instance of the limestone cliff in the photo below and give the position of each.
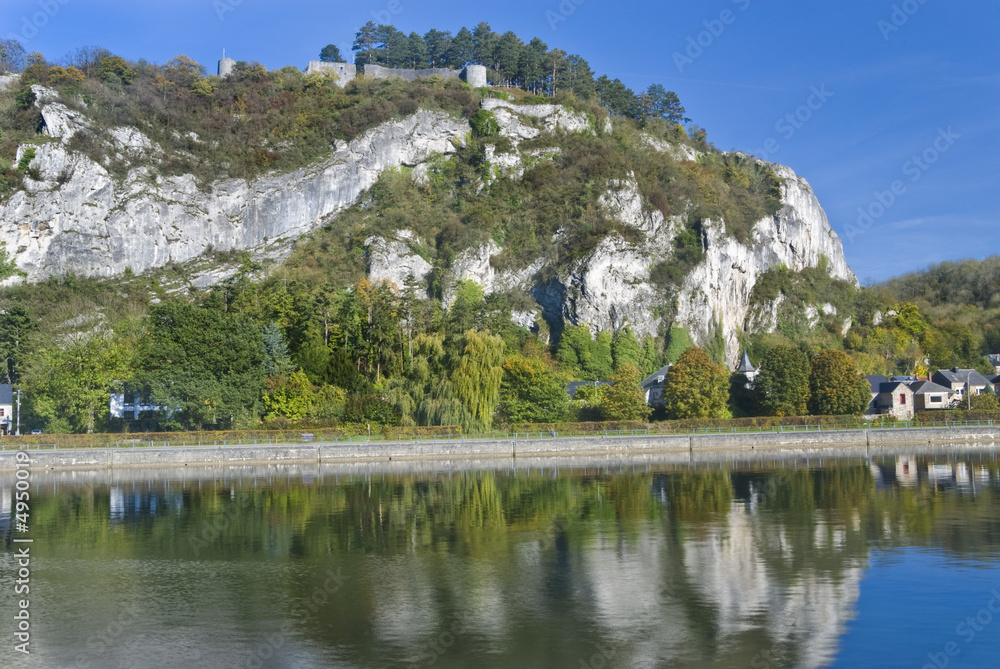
(75, 217)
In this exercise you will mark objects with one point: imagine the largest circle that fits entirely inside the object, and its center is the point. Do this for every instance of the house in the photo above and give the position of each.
(894, 397)
(128, 403)
(957, 379)
(653, 384)
(875, 381)
(6, 408)
(994, 360)
(747, 369)
(929, 395)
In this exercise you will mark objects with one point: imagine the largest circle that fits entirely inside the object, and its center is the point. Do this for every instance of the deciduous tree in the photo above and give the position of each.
(782, 387)
(624, 398)
(836, 385)
(696, 387)
(531, 392)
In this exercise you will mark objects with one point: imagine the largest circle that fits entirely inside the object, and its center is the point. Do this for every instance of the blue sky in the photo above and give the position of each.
(904, 94)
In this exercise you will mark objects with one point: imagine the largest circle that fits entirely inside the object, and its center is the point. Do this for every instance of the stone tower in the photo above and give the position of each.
(475, 76)
(226, 65)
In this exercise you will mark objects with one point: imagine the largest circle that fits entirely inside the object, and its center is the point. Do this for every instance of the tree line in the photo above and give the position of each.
(531, 66)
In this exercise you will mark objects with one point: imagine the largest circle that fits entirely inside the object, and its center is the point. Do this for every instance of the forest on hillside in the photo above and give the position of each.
(314, 342)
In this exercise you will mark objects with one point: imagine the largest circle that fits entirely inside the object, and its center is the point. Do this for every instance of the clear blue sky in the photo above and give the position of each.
(928, 73)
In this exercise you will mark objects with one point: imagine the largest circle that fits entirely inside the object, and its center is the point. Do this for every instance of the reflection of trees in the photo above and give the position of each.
(729, 563)
(698, 496)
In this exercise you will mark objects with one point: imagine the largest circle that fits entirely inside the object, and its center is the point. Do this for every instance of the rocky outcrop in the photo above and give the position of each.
(396, 261)
(551, 118)
(717, 292)
(77, 218)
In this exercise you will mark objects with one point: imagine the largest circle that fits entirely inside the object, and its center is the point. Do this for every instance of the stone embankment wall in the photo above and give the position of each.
(695, 446)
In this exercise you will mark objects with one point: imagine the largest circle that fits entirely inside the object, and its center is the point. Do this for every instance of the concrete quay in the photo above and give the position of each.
(692, 448)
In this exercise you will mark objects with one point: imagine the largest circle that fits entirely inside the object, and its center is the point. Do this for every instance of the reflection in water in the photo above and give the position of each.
(728, 566)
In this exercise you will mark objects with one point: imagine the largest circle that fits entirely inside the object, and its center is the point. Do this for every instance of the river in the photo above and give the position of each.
(833, 562)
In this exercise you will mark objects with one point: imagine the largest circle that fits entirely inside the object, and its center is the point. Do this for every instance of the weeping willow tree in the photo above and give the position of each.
(478, 375)
(443, 406)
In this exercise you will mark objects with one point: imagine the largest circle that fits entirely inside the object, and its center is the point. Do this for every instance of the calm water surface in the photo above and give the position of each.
(890, 562)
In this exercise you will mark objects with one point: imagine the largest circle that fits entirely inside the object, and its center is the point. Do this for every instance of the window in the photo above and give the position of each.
(935, 399)
(902, 399)
(1, 412)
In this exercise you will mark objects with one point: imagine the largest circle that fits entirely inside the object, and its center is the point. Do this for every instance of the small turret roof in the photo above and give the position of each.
(745, 364)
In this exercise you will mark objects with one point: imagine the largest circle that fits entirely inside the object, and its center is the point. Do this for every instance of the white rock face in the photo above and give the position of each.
(718, 290)
(77, 218)
(395, 261)
(610, 288)
(473, 265)
(62, 122)
(553, 117)
(92, 225)
(675, 151)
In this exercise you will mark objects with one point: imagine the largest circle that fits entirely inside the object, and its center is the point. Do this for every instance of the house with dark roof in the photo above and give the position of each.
(875, 381)
(956, 380)
(890, 397)
(6, 408)
(929, 395)
(994, 360)
(653, 384)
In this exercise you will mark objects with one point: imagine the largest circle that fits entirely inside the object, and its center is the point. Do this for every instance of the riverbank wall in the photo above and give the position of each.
(692, 447)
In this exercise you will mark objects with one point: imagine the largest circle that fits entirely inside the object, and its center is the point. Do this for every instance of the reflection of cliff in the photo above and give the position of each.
(730, 589)
(754, 576)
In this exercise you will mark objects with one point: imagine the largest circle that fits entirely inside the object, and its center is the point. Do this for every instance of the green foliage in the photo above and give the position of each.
(484, 124)
(478, 376)
(625, 350)
(331, 54)
(986, 401)
(68, 381)
(584, 357)
(624, 399)
(696, 387)
(836, 385)
(531, 392)
(26, 158)
(290, 396)
(678, 341)
(782, 386)
(206, 365)
(115, 69)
